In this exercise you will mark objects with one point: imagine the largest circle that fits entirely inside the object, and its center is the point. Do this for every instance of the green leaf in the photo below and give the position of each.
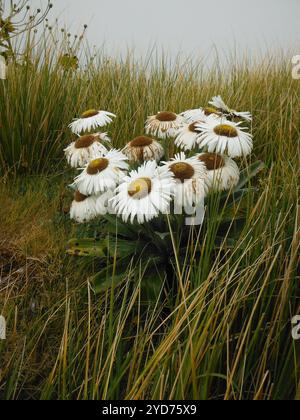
(153, 279)
(151, 286)
(122, 247)
(117, 226)
(88, 247)
(111, 276)
(102, 284)
(249, 173)
(235, 197)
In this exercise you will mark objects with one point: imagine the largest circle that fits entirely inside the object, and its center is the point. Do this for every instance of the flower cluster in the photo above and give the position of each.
(147, 178)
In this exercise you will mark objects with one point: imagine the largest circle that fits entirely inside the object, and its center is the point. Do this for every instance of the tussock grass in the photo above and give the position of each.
(228, 334)
(40, 98)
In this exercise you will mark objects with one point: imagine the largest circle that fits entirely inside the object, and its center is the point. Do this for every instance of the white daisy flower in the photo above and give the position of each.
(83, 208)
(103, 205)
(144, 149)
(225, 136)
(222, 172)
(104, 137)
(85, 148)
(164, 124)
(91, 120)
(200, 114)
(218, 103)
(102, 173)
(144, 194)
(190, 174)
(187, 136)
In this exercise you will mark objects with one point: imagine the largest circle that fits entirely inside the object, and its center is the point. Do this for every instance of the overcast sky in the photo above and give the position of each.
(190, 26)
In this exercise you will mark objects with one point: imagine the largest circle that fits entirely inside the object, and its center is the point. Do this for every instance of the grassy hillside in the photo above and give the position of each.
(228, 335)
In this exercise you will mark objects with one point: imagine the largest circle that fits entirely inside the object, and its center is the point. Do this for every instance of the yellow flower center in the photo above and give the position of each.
(140, 188)
(142, 141)
(166, 116)
(84, 141)
(226, 130)
(89, 113)
(97, 165)
(182, 171)
(212, 161)
(79, 198)
(209, 111)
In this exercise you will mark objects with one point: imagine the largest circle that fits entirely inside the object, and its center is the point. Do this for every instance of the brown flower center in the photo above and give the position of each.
(209, 111)
(140, 188)
(141, 141)
(226, 130)
(97, 165)
(182, 171)
(84, 141)
(79, 198)
(193, 127)
(166, 116)
(89, 113)
(212, 161)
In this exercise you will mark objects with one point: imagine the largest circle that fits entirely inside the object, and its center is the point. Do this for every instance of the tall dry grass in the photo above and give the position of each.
(40, 98)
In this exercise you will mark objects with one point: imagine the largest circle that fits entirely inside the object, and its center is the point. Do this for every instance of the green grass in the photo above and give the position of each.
(228, 336)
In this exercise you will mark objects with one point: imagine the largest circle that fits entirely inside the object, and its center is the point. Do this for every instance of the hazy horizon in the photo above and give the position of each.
(193, 27)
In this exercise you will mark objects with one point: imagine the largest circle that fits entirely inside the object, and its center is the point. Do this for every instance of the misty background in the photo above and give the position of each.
(187, 27)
